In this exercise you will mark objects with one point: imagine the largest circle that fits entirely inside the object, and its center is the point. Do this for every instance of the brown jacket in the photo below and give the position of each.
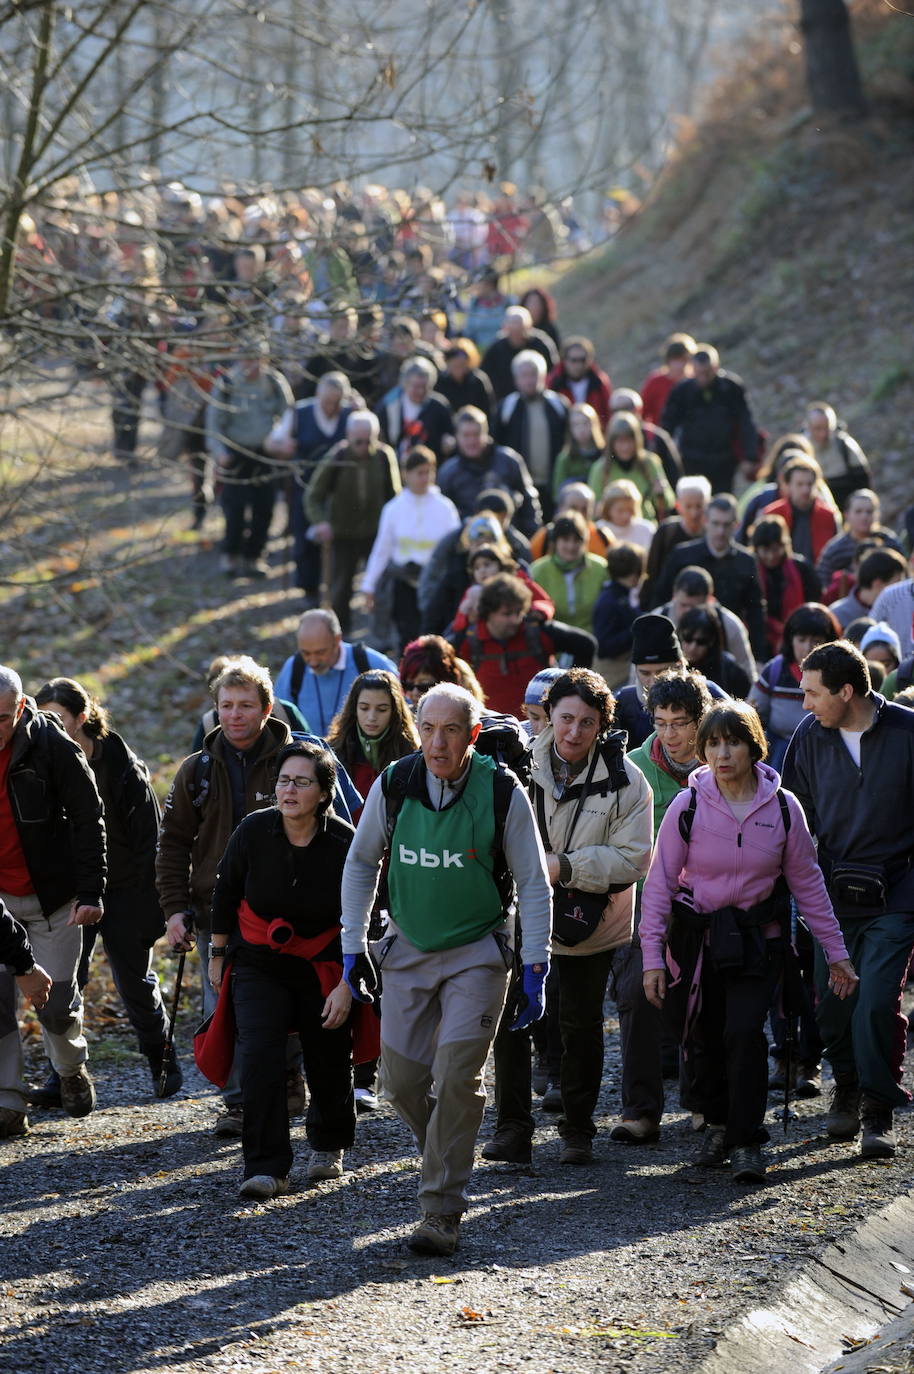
(192, 838)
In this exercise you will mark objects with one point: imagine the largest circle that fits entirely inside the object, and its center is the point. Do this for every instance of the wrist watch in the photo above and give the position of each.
(217, 951)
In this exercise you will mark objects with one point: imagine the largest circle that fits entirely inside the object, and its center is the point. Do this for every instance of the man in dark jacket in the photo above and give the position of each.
(534, 421)
(445, 577)
(692, 497)
(851, 764)
(709, 417)
(479, 463)
(655, 650)
(580, 380)
(732, 568)
(415, 414)
(52, 875)
(517, 335)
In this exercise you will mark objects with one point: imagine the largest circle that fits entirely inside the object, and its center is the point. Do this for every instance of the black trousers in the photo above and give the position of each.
(347, 554)
(729, 1049)
(270, 1003)
(248, 510)
(306, 553)
(129, 928)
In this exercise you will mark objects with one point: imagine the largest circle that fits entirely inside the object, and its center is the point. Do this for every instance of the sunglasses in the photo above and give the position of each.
(696, 639)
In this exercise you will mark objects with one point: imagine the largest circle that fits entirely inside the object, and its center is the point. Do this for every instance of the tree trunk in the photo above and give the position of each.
(832, 73)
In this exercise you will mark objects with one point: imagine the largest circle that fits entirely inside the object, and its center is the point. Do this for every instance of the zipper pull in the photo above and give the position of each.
(739, 839)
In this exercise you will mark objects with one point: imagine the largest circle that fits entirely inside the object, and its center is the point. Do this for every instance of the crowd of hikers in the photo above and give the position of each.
(628, 707)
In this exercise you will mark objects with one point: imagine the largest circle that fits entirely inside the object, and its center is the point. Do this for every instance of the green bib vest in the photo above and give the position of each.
(440, 880)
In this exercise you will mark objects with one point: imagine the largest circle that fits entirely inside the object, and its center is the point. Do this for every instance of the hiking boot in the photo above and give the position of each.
(325, 1164)
(48, 1095)
(539, 1077)
(713, 1151)
(264, 1186)
(174, 1078)
(295, 1092)
(843, 1119)
(255, 567)
(508, 1146)
(746, 1163)
(809, 1081)
(366, 1100)
(436, 1234)
(552, 1098)
(576, 1149)
(230, 1121)
(635, 1131)
(12, 1123)
(878, 1139)
(77, 1092)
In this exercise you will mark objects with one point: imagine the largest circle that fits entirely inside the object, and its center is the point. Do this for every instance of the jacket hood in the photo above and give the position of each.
(703, 781)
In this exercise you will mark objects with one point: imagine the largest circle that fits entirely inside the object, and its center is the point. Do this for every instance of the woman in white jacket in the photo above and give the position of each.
(595, 814)
(411, 526)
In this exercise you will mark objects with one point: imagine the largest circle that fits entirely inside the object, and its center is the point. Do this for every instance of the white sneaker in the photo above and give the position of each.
(698, 1121)
(325, 1164)
(264, 1186)
(366, 1100)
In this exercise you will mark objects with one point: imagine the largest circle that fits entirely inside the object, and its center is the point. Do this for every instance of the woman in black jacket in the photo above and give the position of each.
(701, 634)
(276, 928)
(132, 920)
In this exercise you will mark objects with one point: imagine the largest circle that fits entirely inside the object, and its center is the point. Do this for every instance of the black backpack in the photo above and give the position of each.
(359, 658)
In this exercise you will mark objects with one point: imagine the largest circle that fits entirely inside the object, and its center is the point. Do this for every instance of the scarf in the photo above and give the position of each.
(371, 748)
(679, 771)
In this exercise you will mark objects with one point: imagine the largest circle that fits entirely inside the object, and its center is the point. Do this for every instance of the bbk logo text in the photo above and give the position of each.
(425, 858)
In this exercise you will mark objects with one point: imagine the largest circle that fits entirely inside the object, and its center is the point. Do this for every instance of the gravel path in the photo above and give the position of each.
(124, 1246)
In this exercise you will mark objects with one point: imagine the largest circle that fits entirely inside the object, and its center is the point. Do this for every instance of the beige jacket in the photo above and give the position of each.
(611, 843)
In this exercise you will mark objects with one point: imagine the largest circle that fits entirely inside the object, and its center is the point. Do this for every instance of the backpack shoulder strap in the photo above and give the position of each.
(200, 782)
(360, 658)
(298, 677)
(395, 782)
(503, 790)
(785, 811)
(472, 638)
(687, 817)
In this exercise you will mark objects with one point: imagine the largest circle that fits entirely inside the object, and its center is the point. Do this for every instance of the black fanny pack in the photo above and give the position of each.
(858, 889)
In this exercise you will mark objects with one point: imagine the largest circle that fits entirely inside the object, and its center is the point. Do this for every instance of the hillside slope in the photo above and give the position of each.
(788, 244)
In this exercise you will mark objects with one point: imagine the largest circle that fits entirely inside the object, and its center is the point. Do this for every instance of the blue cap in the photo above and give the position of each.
(539, 685)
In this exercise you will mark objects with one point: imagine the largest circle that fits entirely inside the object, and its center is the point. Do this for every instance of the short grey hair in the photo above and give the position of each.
(338, 380)
(449, 691)
(528, 357)
(364, 417)
(699, 485)
(11, 683)
(422, 365)
(626, 398)
(318, 616)
(519, 314)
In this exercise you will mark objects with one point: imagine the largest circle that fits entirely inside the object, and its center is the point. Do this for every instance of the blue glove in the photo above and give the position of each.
(531, 1004)
(359, 973)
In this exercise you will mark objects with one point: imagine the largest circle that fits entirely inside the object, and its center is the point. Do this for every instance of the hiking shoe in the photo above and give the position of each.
(713, 1151)
(174, 1078)
(228, 564)
(436, 1234)
(843, 1119)
(255, 567)
(576, 1149)
(635, 1131)
(365, 1100)
(325, 1164)
(539, 1077)
(552, 1098)
(48, 1095)
(878, 1139)
(12, 1123)
(230, 1121)
(746, 1163)
(508, 1147)
(77, 1092)
(809, 1081)
(295, 1092)
(264, 1186)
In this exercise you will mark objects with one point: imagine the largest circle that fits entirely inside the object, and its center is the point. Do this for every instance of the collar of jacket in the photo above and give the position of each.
(278, 732)
(609, 774)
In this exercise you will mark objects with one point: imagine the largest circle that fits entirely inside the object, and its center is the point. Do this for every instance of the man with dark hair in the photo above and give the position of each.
(709, 417)
(851, 764)
(580, 380)
(878, 569)
(478, 463)
(811, 522)
(732, 567)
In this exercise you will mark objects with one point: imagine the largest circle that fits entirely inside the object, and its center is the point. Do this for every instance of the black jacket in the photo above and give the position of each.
(860, 815)
(57, 811)
(462, 479)
(132, 813)
(474, 390)
(736, 585)
(15, 949)
(511, 428)
(713, 427)
(501, 354)
(435, 420)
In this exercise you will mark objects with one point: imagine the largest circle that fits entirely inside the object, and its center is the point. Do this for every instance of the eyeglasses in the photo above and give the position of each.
(661, 726)
(300, 784)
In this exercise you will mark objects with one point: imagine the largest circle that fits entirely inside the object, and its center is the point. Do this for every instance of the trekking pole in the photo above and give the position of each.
(168, 1049)
(786, 995)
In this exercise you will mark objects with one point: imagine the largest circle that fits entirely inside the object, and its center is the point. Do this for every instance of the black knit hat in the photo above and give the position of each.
(654, 640)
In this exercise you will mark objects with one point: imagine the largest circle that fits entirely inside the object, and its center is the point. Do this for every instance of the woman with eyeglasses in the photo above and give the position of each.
(701, 634)
(275, 955)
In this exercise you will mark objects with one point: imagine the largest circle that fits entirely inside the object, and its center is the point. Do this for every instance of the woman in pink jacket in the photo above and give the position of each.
(714, 914)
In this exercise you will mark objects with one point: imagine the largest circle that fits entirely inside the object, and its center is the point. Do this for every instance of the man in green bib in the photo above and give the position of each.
(462, 841)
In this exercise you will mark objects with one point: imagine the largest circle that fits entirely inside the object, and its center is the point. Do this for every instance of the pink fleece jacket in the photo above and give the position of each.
(726, 864)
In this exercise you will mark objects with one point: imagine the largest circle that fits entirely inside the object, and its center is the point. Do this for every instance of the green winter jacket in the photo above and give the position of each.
(350, 492)
(572, 608)
(664, 787)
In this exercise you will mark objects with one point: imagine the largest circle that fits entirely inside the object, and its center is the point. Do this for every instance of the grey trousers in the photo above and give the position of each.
(439, 1013)
(57, 948)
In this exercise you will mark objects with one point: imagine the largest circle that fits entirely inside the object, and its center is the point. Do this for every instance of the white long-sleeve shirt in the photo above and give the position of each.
(408, 531)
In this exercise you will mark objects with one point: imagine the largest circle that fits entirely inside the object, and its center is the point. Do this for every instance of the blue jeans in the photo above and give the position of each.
(860, 1033)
